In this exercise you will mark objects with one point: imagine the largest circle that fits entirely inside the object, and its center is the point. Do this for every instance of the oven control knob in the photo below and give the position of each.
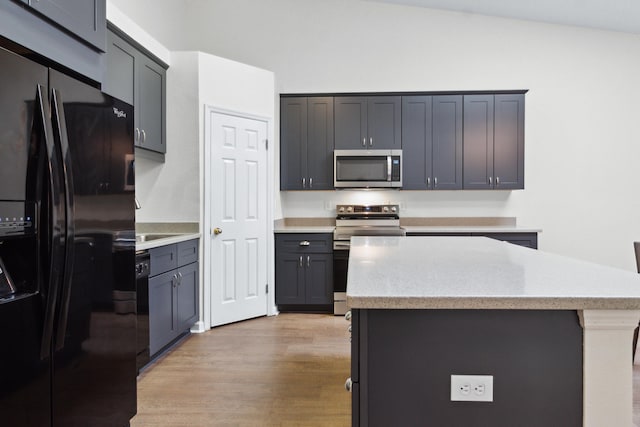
(341, 210)
(385, 209)
(394, 209)
(349, 209)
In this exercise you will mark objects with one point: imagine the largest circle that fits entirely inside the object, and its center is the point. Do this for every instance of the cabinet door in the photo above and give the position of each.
(86, 19)
(150, 104)
(447, 142)
(318, 278)
(293, 143)
(478, 141)
(120, 69)
(508, 154)
(290, 278)
(384, 122)
(319, 156)
(187, 297)
(162, 327)
(350, 123)
(417, 142)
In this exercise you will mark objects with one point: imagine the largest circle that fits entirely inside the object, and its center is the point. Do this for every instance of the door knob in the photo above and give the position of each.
(217, 231)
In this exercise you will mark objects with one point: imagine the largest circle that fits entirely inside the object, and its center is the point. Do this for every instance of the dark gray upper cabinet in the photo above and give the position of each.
(85, 19)
(432, 142)
(368, 122)
(70, 34)
(508, 142)
(306, 149)
(494, 141)
(136, 78)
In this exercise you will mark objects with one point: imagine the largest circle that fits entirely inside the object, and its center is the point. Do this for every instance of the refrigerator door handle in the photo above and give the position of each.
(60, 136)
(54, 218)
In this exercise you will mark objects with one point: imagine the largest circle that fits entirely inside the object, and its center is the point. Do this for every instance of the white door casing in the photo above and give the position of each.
(236, 190)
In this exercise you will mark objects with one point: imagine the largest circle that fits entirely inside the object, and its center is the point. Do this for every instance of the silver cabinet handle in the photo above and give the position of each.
(347, 316)
(370, 141)
(364, 142)
(304, 182)
(179, 278)
(300, 261)
(490, 181)
(435, 182)
(308, 261)
(137, 137)
(144, 136)
(310, 182)
(348, 385)
(174, 281)
(304, 243)
(497, 181)
(428, 182)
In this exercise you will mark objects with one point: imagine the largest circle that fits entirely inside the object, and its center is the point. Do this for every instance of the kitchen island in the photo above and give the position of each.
(555, 333)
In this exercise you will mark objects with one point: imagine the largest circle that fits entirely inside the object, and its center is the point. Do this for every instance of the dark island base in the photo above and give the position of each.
(402, 361)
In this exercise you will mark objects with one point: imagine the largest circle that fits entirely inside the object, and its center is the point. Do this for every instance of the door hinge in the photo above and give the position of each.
(266, 288)
(266, 144)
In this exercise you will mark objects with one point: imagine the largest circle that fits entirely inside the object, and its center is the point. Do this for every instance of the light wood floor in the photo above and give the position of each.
(286, 370)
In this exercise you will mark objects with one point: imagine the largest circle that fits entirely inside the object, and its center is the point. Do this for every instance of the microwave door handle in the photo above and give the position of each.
(389, 168)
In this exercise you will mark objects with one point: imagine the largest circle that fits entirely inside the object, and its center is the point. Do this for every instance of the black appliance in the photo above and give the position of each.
(367, 168)
(142, 307)
(68, 352)
(358, 220)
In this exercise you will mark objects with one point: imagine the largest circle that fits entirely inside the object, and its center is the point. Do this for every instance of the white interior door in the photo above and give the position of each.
(238, 218)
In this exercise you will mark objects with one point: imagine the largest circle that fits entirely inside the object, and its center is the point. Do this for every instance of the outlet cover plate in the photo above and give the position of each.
(472, 388)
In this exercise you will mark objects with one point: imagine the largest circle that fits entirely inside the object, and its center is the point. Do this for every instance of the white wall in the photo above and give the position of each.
(582, 143)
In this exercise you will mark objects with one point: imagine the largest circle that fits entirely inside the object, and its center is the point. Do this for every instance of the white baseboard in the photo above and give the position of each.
(198, 328)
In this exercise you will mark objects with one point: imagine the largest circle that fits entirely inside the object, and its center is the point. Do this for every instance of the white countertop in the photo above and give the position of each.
(304, 229)
(415, 229)
(170, 239)
(479, 273)
(469, 229)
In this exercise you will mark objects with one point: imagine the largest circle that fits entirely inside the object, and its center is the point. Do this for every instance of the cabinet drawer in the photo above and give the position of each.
(305, 243)
(163, 259)
(187, 252)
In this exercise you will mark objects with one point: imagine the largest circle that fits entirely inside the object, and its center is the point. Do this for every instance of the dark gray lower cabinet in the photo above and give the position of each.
(529, 240)
(173, 293)
(402, 362)
(304, 272)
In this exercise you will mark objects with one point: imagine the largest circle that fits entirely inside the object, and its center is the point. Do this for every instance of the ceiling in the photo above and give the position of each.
(613, 15)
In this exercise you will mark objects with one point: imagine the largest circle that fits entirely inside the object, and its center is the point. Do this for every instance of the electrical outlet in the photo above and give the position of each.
(472, 388)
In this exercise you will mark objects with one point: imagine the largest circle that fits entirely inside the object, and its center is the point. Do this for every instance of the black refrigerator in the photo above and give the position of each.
(67, 250)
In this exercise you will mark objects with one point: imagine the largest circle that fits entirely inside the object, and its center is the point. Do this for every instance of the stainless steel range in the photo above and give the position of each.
(358, 220)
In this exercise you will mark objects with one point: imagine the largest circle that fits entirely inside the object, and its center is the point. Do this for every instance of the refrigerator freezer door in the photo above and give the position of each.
(24, 375)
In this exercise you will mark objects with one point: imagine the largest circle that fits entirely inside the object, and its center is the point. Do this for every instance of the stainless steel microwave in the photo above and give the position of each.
(367, 168)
